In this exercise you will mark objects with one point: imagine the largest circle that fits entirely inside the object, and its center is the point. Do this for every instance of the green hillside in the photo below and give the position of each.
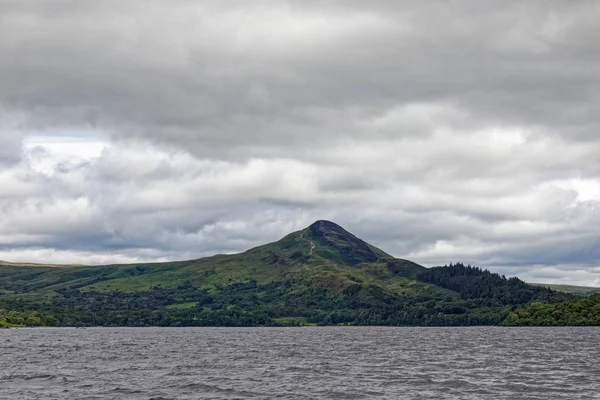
(289, 259)
(319, 275)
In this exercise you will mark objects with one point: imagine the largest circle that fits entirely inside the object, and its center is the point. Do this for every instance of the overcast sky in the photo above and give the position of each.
(439, 131)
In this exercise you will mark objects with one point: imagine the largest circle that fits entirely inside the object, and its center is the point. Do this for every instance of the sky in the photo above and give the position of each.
(439, 131)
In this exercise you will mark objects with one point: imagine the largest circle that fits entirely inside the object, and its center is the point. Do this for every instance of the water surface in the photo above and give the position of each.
(300, 363)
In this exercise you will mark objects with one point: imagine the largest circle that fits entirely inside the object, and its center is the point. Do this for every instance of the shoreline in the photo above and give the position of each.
(294, 327)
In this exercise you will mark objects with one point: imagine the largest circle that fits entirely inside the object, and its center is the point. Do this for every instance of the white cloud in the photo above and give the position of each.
(438, 132)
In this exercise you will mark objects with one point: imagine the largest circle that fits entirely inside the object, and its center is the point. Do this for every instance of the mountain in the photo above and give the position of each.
(321, 253)
(319, 275)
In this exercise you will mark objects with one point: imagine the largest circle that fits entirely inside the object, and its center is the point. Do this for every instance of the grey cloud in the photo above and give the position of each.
(206, 225)
(440, 131)
(10, 139)
(216, 76)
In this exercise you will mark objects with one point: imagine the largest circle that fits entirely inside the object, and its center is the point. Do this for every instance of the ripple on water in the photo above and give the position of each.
(300, 363)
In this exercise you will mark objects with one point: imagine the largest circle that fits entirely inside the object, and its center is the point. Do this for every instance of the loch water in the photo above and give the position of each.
(300, 363)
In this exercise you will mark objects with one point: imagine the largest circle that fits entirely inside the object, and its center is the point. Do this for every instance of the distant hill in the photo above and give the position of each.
(320, 275)
(11, 264)
(580, 290)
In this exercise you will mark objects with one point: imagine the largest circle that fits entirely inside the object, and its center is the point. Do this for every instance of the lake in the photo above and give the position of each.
(300, 363)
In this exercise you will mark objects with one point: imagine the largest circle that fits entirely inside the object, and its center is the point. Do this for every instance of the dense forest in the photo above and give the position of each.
(481, 298)
(577, 312)
(476, 283)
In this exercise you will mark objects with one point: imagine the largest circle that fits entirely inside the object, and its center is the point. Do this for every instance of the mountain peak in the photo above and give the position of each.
(323, 226)
(352, 249)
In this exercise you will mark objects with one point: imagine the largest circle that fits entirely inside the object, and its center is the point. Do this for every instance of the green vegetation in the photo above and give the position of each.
(579, 312)
(277, 303)
(475, 283)
(321, 275)
(16, 319)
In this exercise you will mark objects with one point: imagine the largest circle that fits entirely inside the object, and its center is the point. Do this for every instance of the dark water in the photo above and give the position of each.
(300, 363)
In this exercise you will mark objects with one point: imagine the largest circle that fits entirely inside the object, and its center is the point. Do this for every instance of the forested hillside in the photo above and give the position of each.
(475, 283)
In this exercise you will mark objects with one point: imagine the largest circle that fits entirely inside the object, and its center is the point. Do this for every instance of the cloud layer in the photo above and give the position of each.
(442, 131)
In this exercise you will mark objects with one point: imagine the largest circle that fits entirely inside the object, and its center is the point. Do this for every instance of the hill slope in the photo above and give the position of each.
(320, 275)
